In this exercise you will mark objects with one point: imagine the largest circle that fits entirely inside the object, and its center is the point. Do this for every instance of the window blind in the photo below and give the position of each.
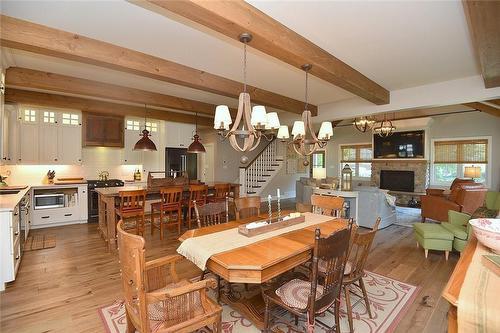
(461, 151)
(356, 153)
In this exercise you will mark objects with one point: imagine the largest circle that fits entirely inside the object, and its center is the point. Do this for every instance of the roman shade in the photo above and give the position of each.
(356, 153)
(461, 151)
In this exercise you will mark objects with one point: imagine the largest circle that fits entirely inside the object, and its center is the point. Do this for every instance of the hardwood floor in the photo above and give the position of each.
(60, 289)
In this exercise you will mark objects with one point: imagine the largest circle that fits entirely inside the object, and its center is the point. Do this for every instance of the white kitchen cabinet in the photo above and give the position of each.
(178, 135)
(131, 156)
(70, 144)
(48, 143)
(10, 135)
(28, 143)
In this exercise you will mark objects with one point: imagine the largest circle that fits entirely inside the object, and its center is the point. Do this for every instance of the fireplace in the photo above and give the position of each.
(397, 180)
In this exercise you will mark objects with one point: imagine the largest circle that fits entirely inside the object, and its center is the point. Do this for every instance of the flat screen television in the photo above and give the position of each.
(409, 144)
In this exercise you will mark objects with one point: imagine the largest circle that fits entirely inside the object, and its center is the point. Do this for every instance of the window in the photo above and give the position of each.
(359, 157)
(450, 157)
(317, 162)
(151, 126)
(133, 125)
(70, 119)
(49, 117)
(30, 115)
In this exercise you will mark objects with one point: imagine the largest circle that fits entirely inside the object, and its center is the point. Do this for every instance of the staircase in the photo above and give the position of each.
(258, 173)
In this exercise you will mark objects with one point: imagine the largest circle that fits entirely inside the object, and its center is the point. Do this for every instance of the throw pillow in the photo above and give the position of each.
(483, 212)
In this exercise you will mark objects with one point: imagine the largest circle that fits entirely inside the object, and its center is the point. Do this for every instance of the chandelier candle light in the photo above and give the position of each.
(385, 128)
(304, 139)
(254, 124)
(363, 124)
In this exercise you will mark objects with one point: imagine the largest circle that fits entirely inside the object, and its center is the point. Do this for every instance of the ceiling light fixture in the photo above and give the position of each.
(304, 141)
(363, 124)
(196, 146)
(255, 122)
(145, 142)
(385, 128)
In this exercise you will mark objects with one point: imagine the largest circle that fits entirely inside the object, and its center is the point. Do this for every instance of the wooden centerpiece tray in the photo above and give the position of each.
(274, 225)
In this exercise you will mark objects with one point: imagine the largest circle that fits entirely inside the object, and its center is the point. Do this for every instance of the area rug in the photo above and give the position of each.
(389, 301)
(407, 216)
(39, 242)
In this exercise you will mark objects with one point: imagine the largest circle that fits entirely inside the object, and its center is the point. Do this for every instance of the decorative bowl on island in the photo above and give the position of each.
(487, 232)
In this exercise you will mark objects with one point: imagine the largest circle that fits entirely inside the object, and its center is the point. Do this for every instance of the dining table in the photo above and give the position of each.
(259, 263)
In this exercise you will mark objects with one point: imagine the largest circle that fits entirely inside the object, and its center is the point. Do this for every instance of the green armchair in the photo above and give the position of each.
(492, 200)
(458, 225)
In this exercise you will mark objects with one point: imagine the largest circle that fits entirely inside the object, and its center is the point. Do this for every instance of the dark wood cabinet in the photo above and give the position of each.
(102, 130)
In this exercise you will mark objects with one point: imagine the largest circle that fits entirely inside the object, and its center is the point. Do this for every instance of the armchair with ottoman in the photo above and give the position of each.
(465, 196)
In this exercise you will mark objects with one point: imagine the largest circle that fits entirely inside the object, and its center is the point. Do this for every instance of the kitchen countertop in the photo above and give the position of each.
(9, 201)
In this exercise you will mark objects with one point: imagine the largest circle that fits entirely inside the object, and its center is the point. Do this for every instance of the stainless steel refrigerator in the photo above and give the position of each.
(178, 162)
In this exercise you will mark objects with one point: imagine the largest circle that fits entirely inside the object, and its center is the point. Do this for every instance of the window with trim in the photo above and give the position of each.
(70, 119)
(29, 115)
(133, 125)
(317, 161)
(49, 117)
(359, 157)
(151, 126)
(450, 157)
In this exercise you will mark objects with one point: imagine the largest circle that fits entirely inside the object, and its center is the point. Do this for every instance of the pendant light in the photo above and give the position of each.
(196, 147)
(145, 142)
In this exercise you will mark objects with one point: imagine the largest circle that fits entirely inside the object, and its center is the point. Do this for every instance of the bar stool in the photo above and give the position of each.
(170, 207)
(197, 193)
(132, 205)
(221, 192)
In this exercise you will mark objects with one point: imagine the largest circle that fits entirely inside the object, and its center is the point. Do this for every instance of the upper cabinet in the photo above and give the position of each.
(103, 130)
(179, 135)
(133, 129)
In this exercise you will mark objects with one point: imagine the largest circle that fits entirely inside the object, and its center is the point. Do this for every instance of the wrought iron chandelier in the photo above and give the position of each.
(385, 128)
(304, 141)
(255, 122)
(363, 124)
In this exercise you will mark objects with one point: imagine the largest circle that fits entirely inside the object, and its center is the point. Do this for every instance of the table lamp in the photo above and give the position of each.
(472, 172)
(319, 173)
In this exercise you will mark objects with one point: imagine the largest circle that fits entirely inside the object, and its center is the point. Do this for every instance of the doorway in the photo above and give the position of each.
(207, 164)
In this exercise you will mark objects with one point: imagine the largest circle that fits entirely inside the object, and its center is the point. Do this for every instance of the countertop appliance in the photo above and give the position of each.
(49, 200)
(93, 197)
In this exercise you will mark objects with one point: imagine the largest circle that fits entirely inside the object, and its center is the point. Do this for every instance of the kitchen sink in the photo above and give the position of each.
(9, 192)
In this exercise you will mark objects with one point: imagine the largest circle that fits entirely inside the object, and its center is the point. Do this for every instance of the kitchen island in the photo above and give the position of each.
(108, 201)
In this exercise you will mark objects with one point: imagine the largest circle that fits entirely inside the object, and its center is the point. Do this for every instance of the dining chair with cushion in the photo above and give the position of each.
(169, 210)
(131, 209)
(327, 205)
(247, 206)
(221, 193)
(361, 244)
(155, 299)
(197, 193)
(309, 298)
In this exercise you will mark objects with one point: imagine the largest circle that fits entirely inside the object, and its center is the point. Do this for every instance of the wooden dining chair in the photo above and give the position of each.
(247, 207)
(355, 269)
(211, 213)
(295, 295)
(155, 299)
(131, 208)
(197, 193)
(327, 205)
(221, 193)
(168, 209)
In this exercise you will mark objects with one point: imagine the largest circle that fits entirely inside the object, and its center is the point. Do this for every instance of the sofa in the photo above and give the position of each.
(305, 186)
(465, 196)
(374, 202)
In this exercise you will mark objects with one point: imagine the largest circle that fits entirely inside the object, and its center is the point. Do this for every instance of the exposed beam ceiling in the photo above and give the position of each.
(484, 108)
(232, 18)
(32, 79)
(483, 18)
(60, 101)
(494, 101)
(32, 37)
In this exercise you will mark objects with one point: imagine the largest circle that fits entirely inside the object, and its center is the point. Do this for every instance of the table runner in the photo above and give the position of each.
(478, 305)
(200, 249)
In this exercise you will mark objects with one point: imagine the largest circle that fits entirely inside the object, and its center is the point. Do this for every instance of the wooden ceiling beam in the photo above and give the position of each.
(30, 79)
(484, 108)
(34, 98)
(483, 19)
(494, 101)
(231, 18)
(32, 37)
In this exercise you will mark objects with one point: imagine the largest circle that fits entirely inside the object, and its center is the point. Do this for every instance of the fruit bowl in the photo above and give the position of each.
(487, 232)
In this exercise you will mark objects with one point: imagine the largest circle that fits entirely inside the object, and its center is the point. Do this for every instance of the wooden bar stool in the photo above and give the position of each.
(197, 193)
(170, 207)
(221, 192)
(131, 207)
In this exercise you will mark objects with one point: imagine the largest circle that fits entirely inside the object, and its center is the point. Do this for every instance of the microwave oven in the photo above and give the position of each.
(46, 201)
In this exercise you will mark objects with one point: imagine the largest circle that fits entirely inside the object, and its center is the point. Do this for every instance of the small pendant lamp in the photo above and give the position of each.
(196, 147)
(145, 142)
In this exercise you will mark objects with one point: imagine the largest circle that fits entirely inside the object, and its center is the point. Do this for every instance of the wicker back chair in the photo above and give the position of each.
(358, 254)
(154, 296)
(327, 205)
(247, 207)
(211, 213)
(333, 251)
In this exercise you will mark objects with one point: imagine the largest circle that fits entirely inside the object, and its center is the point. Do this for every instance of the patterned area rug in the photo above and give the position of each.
(389, 301)
(407, 216)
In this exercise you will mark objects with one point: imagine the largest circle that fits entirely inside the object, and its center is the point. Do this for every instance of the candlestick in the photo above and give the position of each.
(269, 207)
(279, 204)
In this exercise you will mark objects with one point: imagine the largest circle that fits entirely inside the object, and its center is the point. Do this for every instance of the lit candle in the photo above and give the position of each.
(278, 193)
